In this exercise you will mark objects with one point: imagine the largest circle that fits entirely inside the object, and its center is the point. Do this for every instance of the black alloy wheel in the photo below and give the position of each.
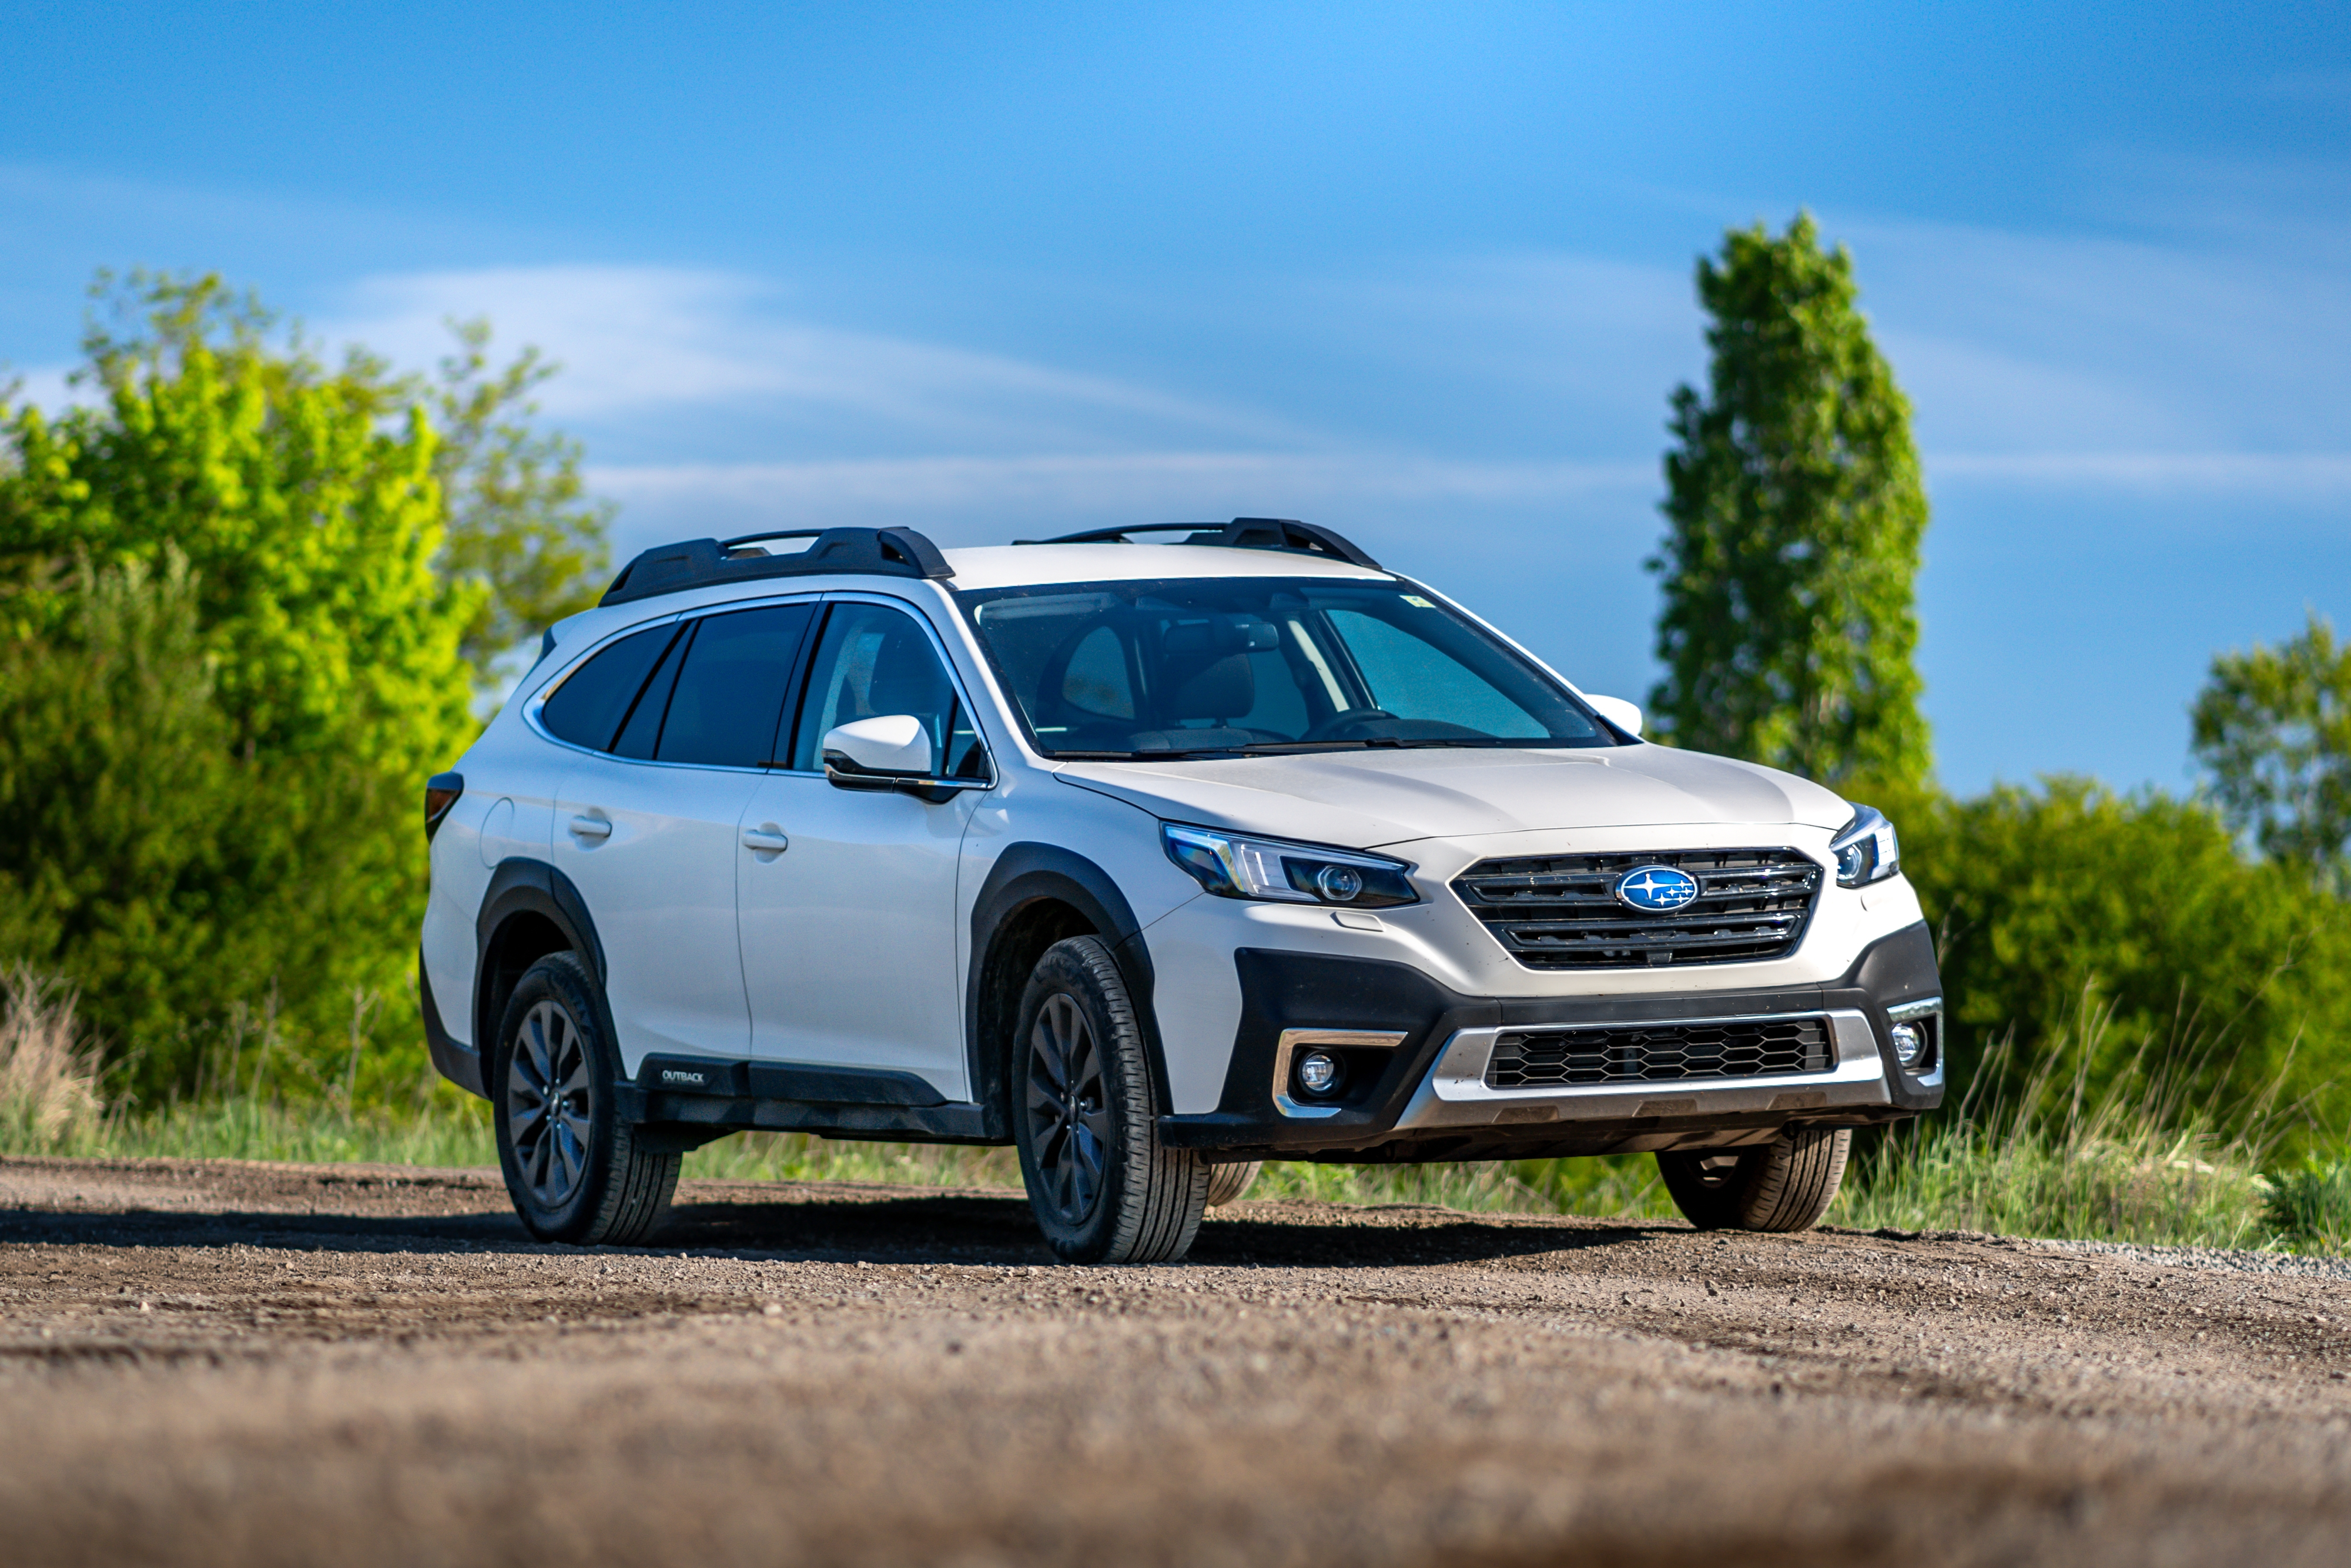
(550, 1103)
(1069, 1111)
(1084, 1113)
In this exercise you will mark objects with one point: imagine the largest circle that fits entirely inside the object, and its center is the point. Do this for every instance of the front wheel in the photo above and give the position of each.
(573, 1166)
(1785, 1184)
(1103, 1188)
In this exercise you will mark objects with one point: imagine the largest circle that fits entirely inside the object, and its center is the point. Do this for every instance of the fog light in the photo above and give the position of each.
(1340, 884)
(1910, 1043)
(1319, 1072)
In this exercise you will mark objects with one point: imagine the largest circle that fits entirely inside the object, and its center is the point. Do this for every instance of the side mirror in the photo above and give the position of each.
(896, 744)
(889, 753)
(1625, 716)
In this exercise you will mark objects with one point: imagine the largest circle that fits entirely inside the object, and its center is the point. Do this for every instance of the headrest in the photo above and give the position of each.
(906, 677)
(1207, 673)
(1224, 688)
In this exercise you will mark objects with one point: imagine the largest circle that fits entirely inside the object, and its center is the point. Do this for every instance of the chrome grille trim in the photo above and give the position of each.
(1557, 912)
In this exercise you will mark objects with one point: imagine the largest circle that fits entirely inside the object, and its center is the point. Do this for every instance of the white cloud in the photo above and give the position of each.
(2272, 475)
(49, 388)
(2035, 364)
(2033, 343)
(822, 492)
(634, 339)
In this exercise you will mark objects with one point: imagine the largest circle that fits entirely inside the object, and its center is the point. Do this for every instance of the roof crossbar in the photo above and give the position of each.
(698, 563)
(1241, 533)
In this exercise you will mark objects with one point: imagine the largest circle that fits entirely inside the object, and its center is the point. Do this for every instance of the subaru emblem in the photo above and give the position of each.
(1654, 889)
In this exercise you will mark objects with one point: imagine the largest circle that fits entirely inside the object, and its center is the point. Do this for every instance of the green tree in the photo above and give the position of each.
(520, 522)
(2274, 725)
(148, 857)
(1795, 511)
(293, 506)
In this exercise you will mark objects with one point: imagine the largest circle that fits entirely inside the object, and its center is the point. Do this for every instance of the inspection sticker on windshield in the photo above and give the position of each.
(1417, 602)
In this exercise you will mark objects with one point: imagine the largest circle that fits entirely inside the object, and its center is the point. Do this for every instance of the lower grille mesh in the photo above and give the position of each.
(1638, 1053)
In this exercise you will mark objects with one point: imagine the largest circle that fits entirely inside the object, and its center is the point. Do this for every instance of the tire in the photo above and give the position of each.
(1785, 1184)
(1226, 1183)
(1103, 1188)
(577, 1176)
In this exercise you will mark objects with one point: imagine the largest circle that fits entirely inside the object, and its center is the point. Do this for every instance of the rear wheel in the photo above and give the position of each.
(1226, 1183)
(1103, 1188)
(572, 1165)
(1785, 1184)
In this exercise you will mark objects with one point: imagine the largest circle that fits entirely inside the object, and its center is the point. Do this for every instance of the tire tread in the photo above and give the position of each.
(1786, 1184)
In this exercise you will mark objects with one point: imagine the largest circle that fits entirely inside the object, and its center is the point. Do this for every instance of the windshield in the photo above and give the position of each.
(1193, 665)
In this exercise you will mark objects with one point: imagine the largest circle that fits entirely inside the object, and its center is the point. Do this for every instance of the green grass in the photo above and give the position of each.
(2139, 1167)
(2175, 1188)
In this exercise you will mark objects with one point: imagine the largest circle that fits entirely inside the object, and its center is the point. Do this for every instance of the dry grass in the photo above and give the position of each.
(48, 1076)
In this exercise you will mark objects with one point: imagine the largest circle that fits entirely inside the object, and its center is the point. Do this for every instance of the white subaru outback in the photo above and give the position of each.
(1155, 860)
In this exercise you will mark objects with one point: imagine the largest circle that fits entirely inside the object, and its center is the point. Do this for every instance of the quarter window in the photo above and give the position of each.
(589, 707)
(643, 728)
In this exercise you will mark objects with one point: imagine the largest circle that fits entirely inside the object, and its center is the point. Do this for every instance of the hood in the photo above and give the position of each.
(1362, 800)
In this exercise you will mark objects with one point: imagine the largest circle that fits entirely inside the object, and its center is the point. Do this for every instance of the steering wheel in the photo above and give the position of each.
(1345, 718)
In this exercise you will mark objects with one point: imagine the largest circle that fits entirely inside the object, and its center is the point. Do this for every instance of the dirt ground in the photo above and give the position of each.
(206, 1362)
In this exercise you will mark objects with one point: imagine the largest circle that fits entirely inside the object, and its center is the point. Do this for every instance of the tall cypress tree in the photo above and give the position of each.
(1796, 509)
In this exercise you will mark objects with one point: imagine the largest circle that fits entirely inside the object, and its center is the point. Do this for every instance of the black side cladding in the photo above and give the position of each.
(531, 909)
(460, 1064)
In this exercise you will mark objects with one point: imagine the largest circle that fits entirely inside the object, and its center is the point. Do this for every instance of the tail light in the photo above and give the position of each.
(441, 792)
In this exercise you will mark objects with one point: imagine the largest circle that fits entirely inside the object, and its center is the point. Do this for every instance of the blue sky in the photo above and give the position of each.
(1418, 273)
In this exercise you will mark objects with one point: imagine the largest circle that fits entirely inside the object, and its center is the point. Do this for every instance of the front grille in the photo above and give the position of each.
(1657, 1053)
(1560, 912)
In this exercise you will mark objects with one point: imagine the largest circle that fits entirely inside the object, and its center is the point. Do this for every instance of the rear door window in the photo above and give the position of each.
(588, 709)
(731, 682)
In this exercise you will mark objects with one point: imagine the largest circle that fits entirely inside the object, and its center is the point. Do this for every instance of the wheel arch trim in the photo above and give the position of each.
(1026, 874)
(521, 887)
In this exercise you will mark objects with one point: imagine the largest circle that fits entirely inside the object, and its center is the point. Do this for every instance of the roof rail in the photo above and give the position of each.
(1241, 533)
(697, 563)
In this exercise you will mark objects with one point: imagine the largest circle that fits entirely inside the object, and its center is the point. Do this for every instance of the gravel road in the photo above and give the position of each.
(219, 1362)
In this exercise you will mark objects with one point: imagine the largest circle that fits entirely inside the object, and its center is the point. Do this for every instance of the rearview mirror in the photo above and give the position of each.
(1625, 716)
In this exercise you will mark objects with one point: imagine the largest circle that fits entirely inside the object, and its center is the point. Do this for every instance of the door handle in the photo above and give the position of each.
(591, 828)
(766, 839)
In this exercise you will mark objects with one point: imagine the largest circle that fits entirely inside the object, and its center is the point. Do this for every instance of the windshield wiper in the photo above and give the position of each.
(1147, 756)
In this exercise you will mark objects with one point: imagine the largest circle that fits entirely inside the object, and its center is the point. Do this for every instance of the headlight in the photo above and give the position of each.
(1867, 851)
(1231, 866)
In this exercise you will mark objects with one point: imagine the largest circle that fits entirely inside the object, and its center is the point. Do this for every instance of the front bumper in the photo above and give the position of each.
(1422, 1092)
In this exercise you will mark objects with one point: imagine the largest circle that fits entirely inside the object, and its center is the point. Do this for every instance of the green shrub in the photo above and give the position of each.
(2228, 980)
(2310, 1206)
